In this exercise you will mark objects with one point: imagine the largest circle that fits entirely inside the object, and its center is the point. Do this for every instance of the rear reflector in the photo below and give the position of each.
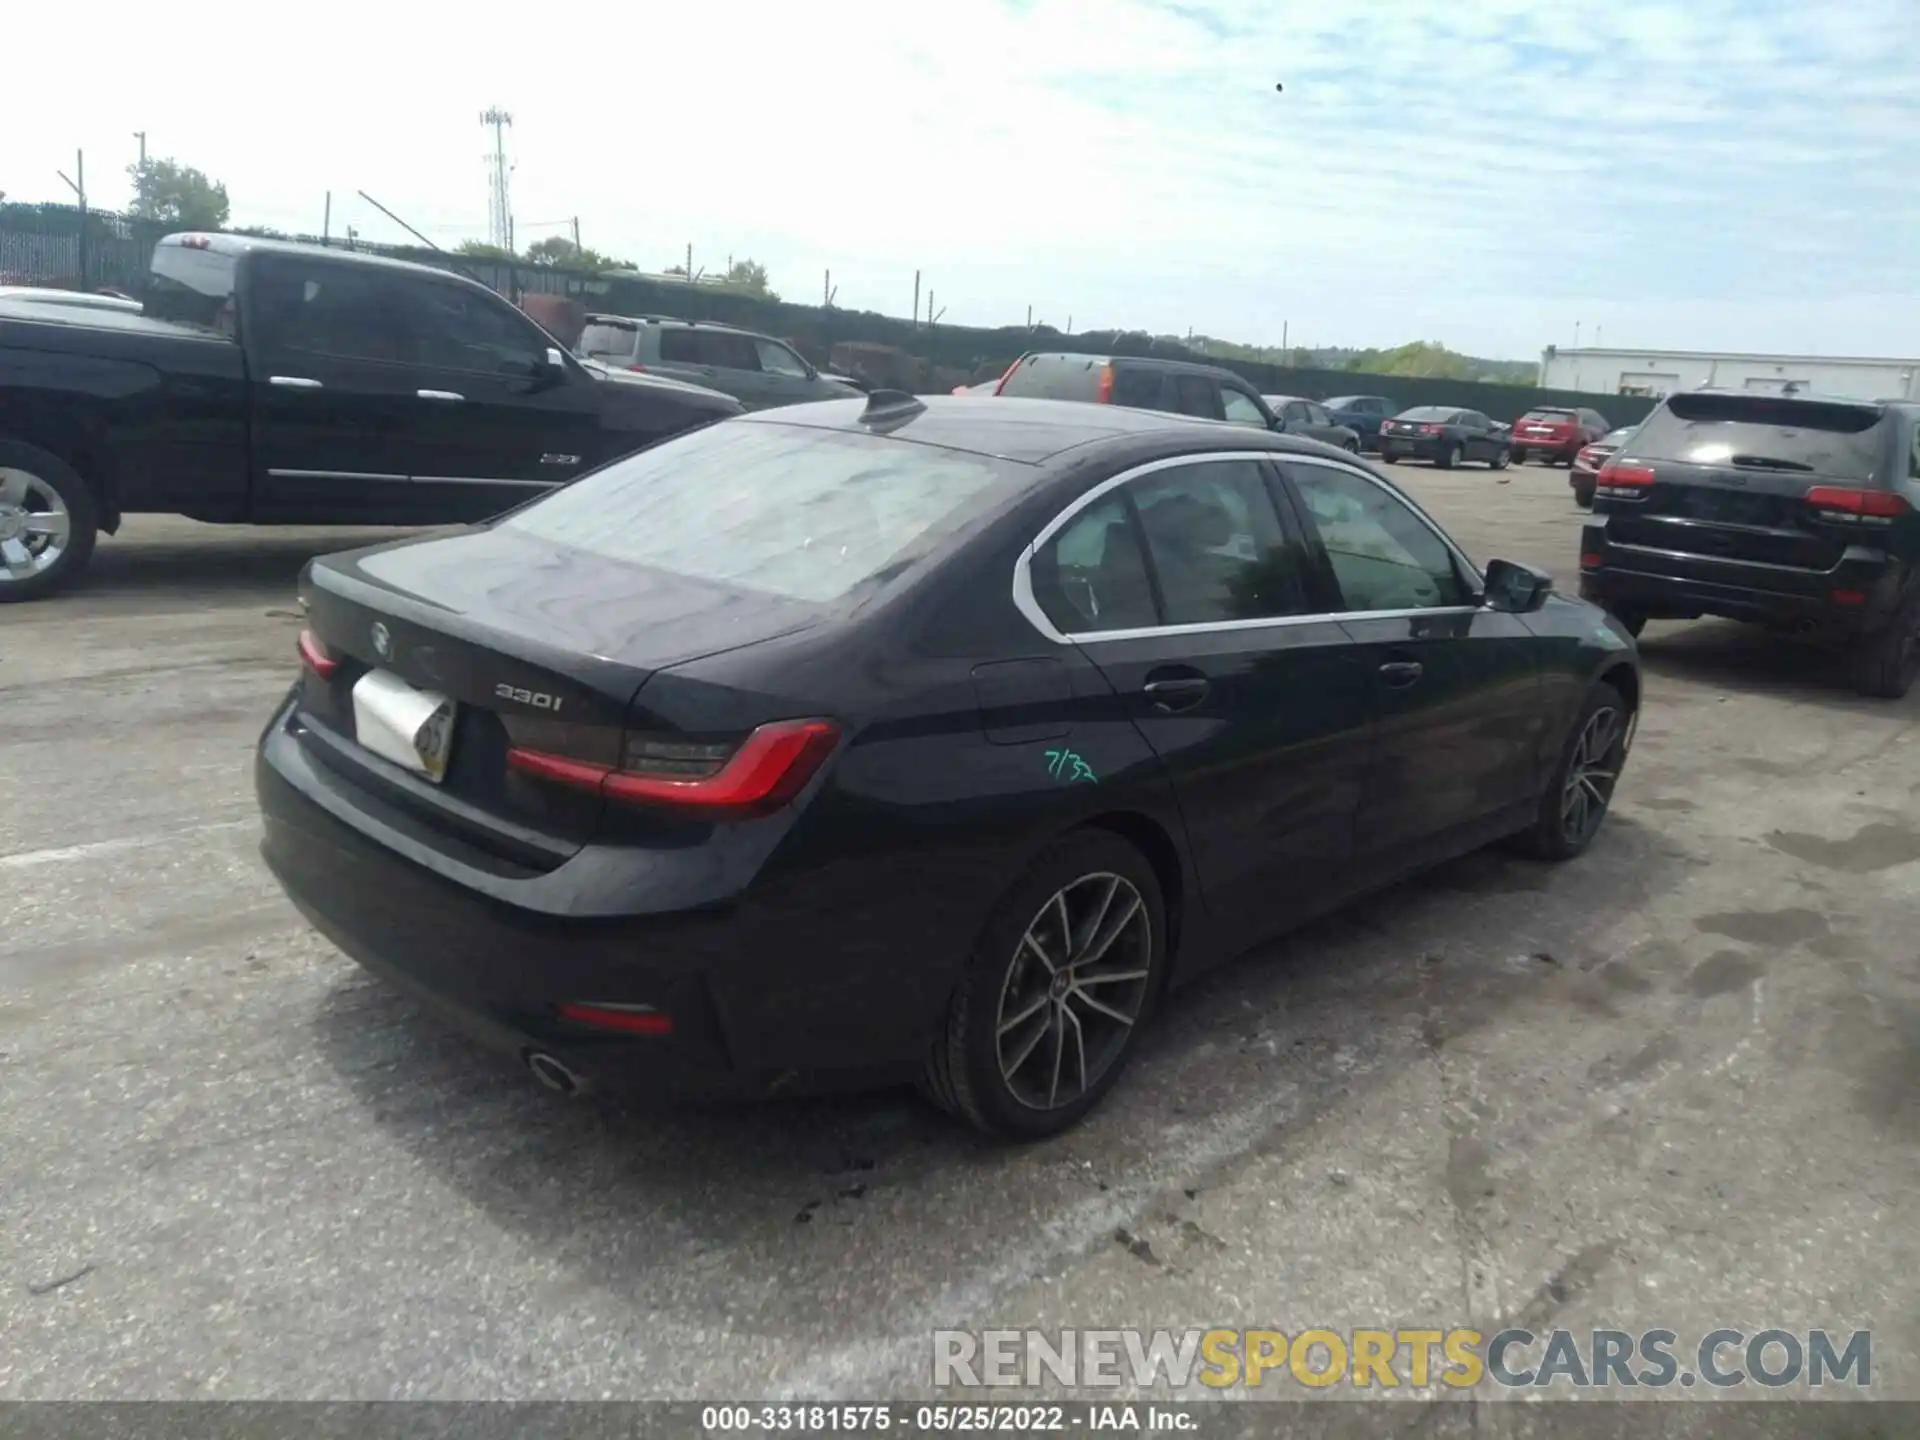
(314, 656)
(1625, 476)
(1104, 396)
(1591, 561)
(769, 768)
(1845, 503)
(633, 1019)
(1849, 597)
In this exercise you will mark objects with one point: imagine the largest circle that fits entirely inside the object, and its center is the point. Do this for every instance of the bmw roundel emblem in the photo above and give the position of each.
(382, 641)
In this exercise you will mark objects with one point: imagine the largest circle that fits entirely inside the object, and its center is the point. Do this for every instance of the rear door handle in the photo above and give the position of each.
(1182, 693)
(439, 394)
(293, 382)
(1401, 673)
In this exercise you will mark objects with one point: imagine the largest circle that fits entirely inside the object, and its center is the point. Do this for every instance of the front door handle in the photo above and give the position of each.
(1401, 673)
(1179, 693)
(293, 382)
(439, 394)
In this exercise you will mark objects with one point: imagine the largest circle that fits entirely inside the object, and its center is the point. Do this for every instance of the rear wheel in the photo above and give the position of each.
(1352, 447)
(1580, 790)
(47, 522)
(1064, 975)
(1886, 663)
(1448, 458)
(1583, 496)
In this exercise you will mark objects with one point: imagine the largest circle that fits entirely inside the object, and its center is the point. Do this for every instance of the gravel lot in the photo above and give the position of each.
(1674, 1084)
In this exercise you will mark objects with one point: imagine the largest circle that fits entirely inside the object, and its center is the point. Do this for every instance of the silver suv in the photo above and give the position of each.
(757, 371)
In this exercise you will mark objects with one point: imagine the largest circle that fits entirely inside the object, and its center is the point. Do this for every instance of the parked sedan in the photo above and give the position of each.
(929, 738)
(1446, 436)
(1364, 415)
(1294, 416)
(1585, 474)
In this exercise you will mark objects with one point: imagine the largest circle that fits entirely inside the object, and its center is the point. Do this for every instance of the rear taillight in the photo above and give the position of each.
(1104, 395)
(1585, 457)
(1592, 560)
(632, 1019)
(1623, 481)
(1431, 429)
(1857, 507)
(760, 774)
(314, 656)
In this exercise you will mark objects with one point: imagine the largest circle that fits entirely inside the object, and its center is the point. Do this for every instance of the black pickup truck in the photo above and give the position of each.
(266, 382)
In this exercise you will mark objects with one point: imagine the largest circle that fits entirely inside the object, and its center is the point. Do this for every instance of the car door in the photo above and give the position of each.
(1184, 584)
(501, 418)
(332, 391)
(1478, 435)
(1293, 415)
(685, 355)
(736, 364)
(785, 378)
(1454, 685)
(1323, 426)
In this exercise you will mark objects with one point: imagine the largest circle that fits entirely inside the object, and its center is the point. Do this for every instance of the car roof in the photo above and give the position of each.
(1031, 432)
(222, 243)
(1191, 367)
(599, 318)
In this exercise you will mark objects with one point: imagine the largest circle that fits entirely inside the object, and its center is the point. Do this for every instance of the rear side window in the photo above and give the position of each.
(192, 286)
(613, 342)
(1093, 574)
(342, 311)
(1216, 543)
(1196, 395)
(1137, 388)
(1765, 432)
(807, 514)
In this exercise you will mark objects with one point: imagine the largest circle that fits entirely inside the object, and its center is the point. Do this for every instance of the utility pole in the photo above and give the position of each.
(326, 219)
(689, 262)
(1286, 353)
(499, 207)
(141, 136)
(1029, 317)
(576, 235)
(915, 312)
(79, 188)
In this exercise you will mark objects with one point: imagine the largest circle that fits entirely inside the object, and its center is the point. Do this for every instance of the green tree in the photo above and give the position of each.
(750, 276)
(558, 250)
(481, 250)
(177, 196)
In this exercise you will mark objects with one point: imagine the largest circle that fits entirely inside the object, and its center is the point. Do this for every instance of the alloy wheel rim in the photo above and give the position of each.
(1591, 776)
(35, 526)
(1074, 991)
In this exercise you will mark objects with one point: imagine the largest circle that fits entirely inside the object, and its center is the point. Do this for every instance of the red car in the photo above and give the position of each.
(1585, 473)
(1555, 434)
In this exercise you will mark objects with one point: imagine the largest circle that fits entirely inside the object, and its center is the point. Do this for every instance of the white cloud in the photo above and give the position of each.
(1715, 174)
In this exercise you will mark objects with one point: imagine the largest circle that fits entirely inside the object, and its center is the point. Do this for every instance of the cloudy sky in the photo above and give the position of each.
(1665, 173)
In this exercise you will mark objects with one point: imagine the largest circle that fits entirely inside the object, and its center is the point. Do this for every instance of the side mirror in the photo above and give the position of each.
(1515, 588)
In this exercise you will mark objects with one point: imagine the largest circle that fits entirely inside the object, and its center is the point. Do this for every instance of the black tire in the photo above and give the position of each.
(1448, 458)
(41, 477)
(1352, 447)
(1583, 496)
(964, 1074)
(1498, 460)
(1886, 663)
(1552, 836)
(1387, 459)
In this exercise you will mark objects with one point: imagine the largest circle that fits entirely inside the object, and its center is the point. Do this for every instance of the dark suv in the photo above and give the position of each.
(1794, 511)
(1178, 387)
(757, 370)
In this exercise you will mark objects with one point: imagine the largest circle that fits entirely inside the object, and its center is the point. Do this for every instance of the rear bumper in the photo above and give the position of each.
(1662, 584)
(1557, 449)
(755, 1007)
(1411, 447)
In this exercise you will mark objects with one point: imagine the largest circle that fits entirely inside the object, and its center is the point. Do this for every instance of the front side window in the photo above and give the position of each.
(805, 514)
(1296, 413)
(1241, 410)
(459, 329)
(1216, 544)
(777, 359)
(1384, 555)
(1317, 416)
(189, 285)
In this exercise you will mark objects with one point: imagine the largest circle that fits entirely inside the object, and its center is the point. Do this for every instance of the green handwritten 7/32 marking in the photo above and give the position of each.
(1065, 765)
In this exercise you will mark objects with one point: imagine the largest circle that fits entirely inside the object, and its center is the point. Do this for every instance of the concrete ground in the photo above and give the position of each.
(1675, 1084)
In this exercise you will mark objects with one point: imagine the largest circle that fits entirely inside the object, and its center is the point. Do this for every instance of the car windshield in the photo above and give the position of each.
(807, 514)
(606, 338)
(1759, 431)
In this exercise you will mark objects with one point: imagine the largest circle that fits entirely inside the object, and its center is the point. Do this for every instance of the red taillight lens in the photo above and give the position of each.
(633, 1019)
(1626, 476)
(1585, 457)
(1849, 597)
(1843, 503)
(767, 769)
(1105, 393)
(315, 657)
(1592, 561)
(641, 368)
(1431, 429)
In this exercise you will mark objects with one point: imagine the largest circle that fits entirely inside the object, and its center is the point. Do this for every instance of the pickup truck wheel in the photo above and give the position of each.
(1887, 662)
(48, 522)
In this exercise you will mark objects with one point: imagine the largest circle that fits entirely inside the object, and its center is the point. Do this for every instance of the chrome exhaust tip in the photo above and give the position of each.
(553, 1074)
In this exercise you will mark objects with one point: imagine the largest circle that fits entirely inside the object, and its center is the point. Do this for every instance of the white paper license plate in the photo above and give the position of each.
(410, 727)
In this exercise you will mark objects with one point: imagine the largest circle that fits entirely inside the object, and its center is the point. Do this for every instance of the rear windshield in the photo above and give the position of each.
(1350, 402)
(1070, 377)
(806, 514)
(191, 286)
(1427, 412)
(603, 338)
(1548, 415)
(1764, 432)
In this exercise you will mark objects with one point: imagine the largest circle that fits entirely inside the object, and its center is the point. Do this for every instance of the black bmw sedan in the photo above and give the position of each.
(870, 740)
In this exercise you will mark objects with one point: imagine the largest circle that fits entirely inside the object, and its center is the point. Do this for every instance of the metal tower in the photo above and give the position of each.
(499, 207)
